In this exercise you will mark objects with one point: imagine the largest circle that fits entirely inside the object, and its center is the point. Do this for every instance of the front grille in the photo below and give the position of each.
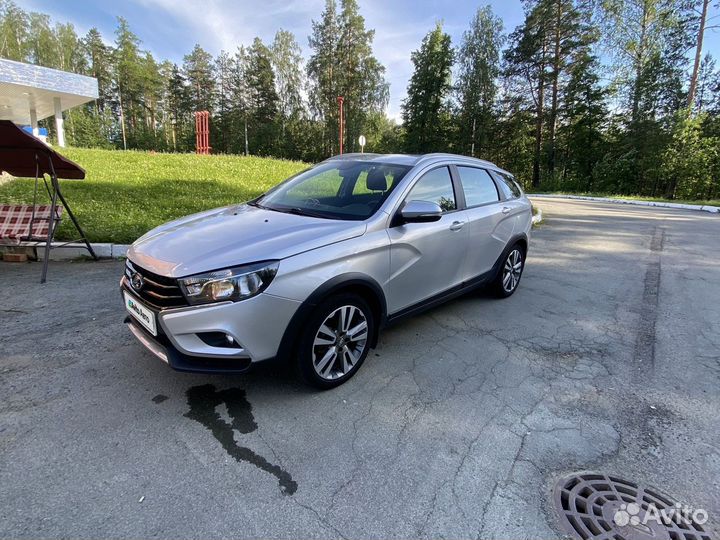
(158, 291)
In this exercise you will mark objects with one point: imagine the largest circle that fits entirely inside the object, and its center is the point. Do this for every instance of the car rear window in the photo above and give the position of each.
(509, 186)
(478, 186)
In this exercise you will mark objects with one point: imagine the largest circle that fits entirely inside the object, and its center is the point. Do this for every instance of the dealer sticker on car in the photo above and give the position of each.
(142, 314)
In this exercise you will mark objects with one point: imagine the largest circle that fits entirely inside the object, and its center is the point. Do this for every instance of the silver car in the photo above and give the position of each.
(313, 269)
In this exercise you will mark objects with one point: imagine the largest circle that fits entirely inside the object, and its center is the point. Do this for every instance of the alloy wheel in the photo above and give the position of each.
(512, 270)
(339, 342)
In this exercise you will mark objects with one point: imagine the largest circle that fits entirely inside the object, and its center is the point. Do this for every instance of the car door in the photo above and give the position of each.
(517, 207)
(427, 258)
(489, 226)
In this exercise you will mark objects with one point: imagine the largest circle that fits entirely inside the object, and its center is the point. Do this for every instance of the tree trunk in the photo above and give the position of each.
(122, 121)
(247, 153)
(552, 122)
(639, 61)
(539, 122)
(698, 54)
(472, 146)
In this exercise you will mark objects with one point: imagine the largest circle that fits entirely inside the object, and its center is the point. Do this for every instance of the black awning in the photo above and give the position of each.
(21, 154)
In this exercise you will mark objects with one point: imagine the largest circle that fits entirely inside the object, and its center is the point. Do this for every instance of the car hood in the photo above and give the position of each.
(233, 236)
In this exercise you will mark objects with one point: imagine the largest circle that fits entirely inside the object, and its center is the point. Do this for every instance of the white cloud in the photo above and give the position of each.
(226, 24)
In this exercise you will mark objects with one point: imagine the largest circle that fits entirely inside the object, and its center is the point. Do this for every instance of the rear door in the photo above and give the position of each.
(489, 223)
(518, 207)
(427, 258)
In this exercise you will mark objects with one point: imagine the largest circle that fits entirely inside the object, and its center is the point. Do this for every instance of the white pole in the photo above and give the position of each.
(59, 123)
(472, 148)
(33, 122)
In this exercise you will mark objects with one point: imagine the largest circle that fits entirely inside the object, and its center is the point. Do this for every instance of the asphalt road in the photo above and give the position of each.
(606, 359)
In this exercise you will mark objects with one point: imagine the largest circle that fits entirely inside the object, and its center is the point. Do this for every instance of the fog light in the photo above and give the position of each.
(219, 339)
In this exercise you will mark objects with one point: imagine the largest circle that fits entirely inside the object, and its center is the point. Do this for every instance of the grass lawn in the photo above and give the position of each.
(712, 202)
(125, 194)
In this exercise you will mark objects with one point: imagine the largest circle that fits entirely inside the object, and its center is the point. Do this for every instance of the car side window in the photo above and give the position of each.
(509, 186)
(478, 186)
(435, 186)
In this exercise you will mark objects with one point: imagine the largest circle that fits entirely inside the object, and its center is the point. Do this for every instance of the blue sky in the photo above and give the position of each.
(170, 28)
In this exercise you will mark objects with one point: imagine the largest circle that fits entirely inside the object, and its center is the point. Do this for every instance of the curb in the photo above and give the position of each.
(69, 252)
(701, 208)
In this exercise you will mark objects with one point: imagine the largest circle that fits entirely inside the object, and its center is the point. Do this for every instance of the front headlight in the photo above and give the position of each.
(231, 284)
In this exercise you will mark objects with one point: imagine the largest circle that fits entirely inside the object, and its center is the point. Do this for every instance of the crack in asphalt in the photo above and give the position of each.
(645, 341)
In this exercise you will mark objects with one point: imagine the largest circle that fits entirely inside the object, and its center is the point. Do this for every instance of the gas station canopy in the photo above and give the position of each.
(29, 93)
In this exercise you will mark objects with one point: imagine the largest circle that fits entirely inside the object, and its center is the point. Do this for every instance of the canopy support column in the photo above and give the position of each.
(33, 122)
(59, 123)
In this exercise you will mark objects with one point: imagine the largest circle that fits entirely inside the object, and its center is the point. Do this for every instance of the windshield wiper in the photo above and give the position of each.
(292, 210)
(303, 212)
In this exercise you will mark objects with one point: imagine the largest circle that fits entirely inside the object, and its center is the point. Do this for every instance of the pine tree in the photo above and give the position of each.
(360, 75)
(127, 79)
(240, 99)
(702, 22)
(264, 101)
(342, 64)
(426, 110)
(649, 39)
(221, 126)
(198, 71)
(479, 68)
(152, 90)
(527, 63)
(583, 122)
(568, 40)
(100, 65)
(322, 71)
(708, 78)
(179, 108)
(287, 63)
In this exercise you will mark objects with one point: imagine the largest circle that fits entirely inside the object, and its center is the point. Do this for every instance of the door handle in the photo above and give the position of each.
(456, 225)
(505, 210)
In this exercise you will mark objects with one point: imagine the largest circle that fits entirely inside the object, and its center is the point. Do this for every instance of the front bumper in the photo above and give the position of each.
(256, 325)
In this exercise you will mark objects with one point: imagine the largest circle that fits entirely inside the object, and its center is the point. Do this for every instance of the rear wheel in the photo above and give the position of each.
(336, 340)
(508, 277)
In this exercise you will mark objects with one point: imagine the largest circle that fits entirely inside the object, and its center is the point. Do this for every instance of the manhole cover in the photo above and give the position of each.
(601, 507)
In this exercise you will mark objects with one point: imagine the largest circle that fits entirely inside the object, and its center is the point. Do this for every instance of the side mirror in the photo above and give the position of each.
(420, 212)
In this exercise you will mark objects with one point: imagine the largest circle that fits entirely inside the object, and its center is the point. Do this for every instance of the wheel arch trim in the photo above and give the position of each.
(342, 282)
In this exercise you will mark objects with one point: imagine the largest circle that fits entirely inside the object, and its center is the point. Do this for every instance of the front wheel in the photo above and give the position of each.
(335, 341)
(508, 277)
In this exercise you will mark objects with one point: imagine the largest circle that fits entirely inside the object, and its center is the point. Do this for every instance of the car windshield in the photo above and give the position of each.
(340, 189)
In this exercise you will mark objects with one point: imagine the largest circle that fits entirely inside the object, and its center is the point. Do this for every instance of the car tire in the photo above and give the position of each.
(335, 340)
(509, 274)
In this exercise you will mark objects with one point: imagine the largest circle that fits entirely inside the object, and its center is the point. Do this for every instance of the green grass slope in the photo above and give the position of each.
(125, 194)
